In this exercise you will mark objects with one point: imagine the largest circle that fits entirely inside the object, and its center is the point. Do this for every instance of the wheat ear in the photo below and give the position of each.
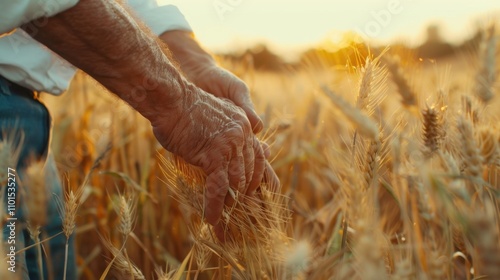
(363, 123)
(485, 78)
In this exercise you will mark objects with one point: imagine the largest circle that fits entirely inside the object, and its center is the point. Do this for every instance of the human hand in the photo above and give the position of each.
(204, 130)
(215, 135)
(201, 69)
(224, 84)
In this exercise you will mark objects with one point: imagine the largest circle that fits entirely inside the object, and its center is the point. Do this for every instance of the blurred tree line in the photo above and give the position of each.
(354, 54)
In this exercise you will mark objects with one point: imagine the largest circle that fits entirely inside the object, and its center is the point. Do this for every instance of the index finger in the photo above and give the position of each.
(241, 98)
(216, 189)
(259, 167)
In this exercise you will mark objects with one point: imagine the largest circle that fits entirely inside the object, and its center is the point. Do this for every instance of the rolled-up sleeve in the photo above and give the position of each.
(18, 12)
(159, 18)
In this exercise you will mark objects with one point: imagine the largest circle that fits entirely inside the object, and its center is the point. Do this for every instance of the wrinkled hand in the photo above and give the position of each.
(201, 69)
(215, 135)
(224, 84)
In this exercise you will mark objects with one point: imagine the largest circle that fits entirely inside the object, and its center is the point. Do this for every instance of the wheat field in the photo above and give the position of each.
(388, 171)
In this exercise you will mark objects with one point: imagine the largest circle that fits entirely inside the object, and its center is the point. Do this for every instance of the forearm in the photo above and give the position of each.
(100, 38)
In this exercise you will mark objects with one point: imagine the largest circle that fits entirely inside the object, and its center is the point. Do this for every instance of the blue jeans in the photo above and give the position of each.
(22, 114)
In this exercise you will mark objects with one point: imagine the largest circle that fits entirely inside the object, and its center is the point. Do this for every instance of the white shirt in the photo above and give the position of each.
(28, 63)
(18, 12)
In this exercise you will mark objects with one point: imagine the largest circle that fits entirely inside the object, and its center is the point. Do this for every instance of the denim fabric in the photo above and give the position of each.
(29, 120)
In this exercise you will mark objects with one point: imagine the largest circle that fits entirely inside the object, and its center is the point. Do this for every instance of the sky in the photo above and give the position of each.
(223, 25)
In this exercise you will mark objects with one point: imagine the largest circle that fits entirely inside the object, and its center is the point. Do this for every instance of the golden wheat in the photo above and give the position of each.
(369, 189)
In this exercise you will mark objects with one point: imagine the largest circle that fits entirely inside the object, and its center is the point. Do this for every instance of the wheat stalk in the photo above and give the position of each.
(34, 232)
(36, 193)
(409, 99)
(168, 274)
(484, 232)
(372, 85)
(403, 270)
(253, 226)
(436, 265)
(126, 213)
(432, 130)
(488, 144)
(485, 78)
(372, 163)
(297, 259)
(123, 267)
(472, 158)
(363, 123)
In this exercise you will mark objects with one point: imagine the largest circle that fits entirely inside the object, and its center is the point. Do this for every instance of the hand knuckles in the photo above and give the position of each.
(235, 170)
(235, 132)
(215, 192)
(259, 155)
(242, 117)
(241, 90)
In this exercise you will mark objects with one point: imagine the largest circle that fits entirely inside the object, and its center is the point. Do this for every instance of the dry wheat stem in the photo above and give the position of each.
(432, 131)
(36, 193)
(363, 123)
(472, 158)
(485, 78)
(409, 98)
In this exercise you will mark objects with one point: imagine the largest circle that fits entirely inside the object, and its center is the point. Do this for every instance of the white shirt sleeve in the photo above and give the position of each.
(159, 18)
(18, 12)
(26, 62)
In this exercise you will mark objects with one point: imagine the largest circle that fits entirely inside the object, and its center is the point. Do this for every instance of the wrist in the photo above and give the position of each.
(164, 100)
(186, 51)
(156, 93)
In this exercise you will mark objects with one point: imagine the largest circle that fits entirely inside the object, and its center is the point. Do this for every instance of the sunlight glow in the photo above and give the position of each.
(229, 24)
